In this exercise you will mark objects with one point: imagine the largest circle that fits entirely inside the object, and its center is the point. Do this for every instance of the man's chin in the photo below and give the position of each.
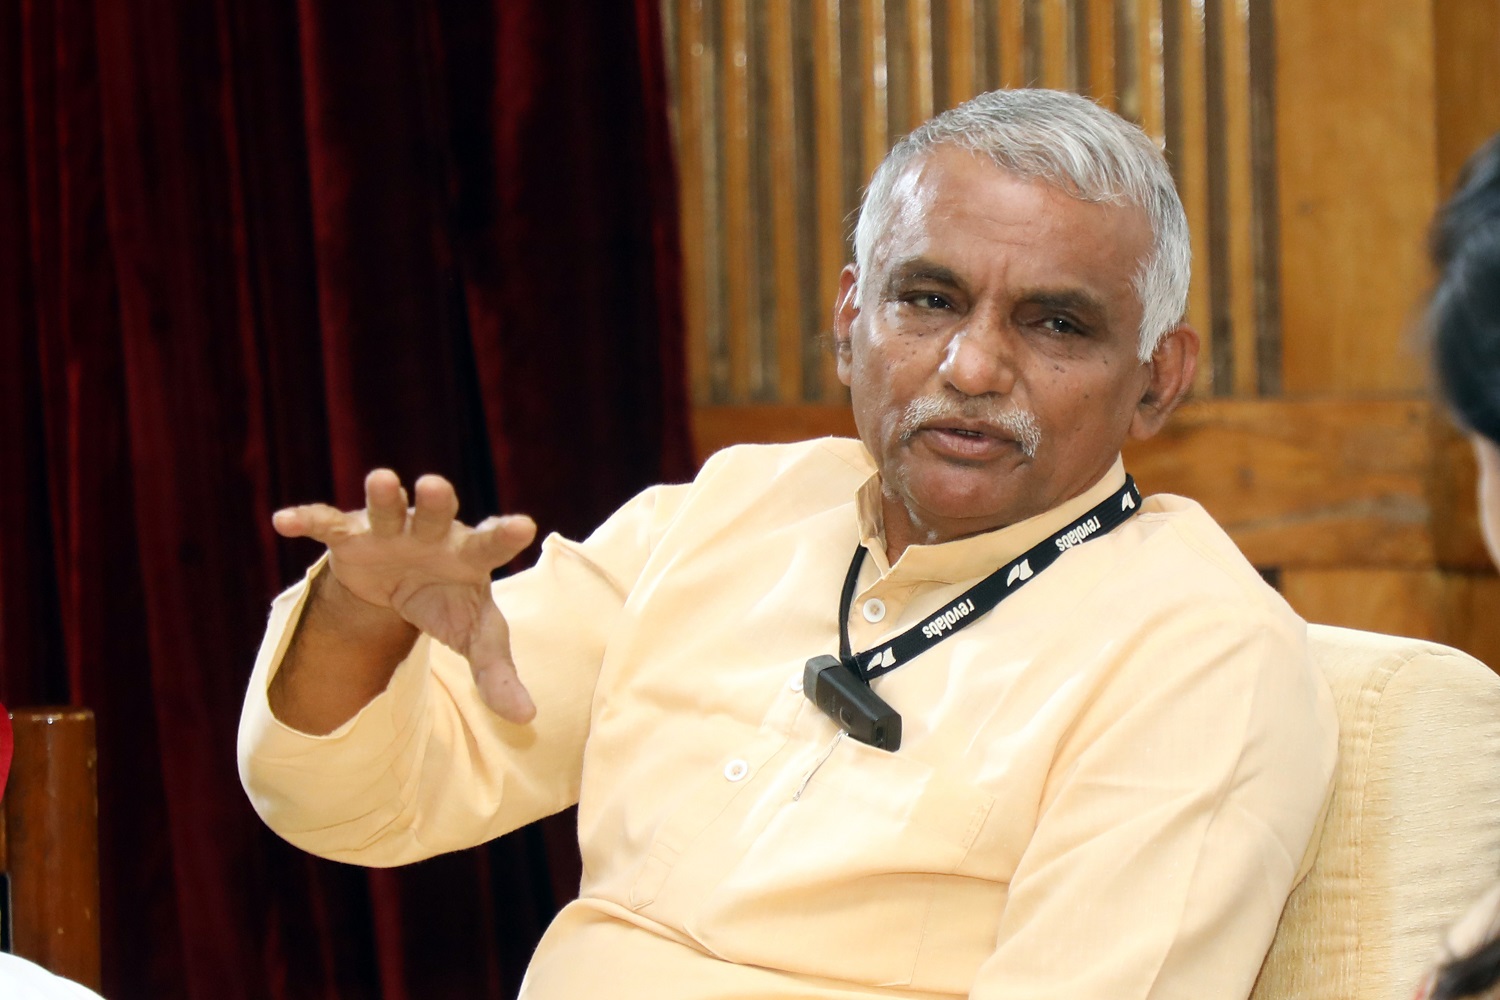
(964, 511)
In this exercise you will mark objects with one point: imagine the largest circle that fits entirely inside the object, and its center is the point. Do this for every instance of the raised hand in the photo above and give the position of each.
(419, 563)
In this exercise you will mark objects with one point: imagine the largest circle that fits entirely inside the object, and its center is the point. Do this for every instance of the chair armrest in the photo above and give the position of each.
(49, 842)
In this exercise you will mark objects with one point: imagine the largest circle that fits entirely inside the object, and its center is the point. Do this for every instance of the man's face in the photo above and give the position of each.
(991, 351)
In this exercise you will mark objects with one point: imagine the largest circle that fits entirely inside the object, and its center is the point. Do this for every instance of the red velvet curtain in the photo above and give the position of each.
(248, 250)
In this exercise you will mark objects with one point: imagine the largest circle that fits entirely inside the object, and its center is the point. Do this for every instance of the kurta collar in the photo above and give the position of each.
(978, 555)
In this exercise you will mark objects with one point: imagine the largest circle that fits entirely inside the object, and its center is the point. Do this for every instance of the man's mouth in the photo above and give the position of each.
(971, 429)
(968, 444)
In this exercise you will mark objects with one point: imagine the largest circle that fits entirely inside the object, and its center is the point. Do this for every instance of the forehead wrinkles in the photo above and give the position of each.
(934, 201)
(931, 205)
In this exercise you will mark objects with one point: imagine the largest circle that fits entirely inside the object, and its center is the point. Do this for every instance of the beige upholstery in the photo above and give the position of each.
(1412, 835)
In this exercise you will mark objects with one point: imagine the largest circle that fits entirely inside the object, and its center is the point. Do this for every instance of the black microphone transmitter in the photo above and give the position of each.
(843, 696)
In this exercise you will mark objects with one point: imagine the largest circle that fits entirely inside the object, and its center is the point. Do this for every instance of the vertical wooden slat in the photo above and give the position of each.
(805, 109)
(1266, 221)
(986, 44)
(1054, 44)
(763, 338)
(899, 80)
(963, 73)
(919, 37)
(852, 89)
(1127, 53)
(1240, 198)
(1190, 165)
(1078, 46)
(1011, 26)
(739, 236)
(1101, 15)
(690, 61)
(942, 48)
(832, 250)
(852, 95)
(1218, 355)
(875, 110)
(784, 198)
(715, 263)
(1171, 67)
(1033, 50)
(1151, 83)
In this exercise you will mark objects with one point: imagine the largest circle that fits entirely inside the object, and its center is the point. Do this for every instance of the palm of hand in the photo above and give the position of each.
(430, 584)
(430, 569)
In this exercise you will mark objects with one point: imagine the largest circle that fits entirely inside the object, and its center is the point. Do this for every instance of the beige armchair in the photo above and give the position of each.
(1413, 831)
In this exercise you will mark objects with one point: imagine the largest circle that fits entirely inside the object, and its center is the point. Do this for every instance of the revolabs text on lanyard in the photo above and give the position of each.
(840, 686)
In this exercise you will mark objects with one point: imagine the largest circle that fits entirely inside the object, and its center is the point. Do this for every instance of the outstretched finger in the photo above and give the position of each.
(495, 671)
(435, 507)
(495, 541)
(385, 503)
(315, 520)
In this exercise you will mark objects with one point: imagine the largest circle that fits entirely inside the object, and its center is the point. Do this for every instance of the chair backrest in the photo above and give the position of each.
(49, 843)
(1412, 834)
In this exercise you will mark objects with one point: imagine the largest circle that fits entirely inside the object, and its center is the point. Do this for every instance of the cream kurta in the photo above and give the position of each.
(1105, 787)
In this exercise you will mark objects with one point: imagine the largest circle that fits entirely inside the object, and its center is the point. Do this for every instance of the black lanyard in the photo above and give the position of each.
(980, 599)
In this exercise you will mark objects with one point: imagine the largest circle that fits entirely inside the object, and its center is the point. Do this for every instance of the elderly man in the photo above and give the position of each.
(946, 711)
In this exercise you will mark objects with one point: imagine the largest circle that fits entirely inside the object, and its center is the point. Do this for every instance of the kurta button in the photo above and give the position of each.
(795, 684)
(874, 610)
(736, 769)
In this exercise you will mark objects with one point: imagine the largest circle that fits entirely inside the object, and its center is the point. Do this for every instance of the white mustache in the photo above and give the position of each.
(1018, 423)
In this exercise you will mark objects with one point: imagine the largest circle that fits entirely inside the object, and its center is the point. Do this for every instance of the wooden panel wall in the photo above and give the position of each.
(784, 108)
(1373, 87)
(1310, 142)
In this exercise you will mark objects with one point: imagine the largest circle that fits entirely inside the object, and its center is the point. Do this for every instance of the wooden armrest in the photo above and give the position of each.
(49, 842)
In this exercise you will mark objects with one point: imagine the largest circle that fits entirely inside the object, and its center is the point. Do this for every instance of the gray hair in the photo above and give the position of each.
(1076, 145)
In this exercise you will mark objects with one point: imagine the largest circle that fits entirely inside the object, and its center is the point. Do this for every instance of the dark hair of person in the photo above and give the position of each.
(1464, 319)
(1464, 311)
(1470, 975)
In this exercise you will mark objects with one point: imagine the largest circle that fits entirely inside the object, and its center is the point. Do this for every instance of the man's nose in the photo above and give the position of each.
(980, 359)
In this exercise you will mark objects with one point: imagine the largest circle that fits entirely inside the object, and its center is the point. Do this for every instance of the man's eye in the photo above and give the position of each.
(1060, 324)
(928, 300)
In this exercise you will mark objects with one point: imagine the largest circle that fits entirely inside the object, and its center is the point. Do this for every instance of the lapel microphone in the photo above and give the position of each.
(840, 694)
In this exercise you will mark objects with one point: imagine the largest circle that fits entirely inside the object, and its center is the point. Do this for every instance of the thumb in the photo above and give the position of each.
(495, 671)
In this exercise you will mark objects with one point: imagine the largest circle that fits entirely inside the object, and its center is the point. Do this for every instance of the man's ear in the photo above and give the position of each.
(1169, 377)
(845, 309)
